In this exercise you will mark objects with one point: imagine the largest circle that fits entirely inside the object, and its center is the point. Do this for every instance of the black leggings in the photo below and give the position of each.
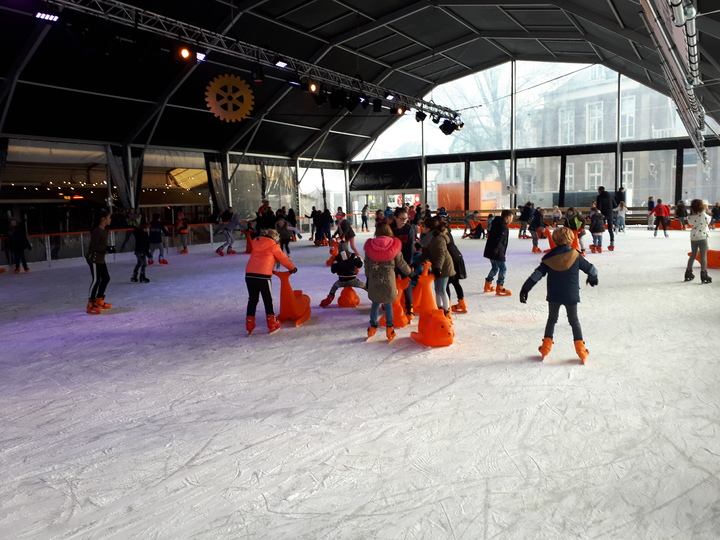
(554, 312)
(455, 282)
(100, 280)
(285, 245)
(257, 287)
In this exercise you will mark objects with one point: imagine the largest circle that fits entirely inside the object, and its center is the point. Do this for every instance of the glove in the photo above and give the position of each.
(293, 270)
(523, 297)
(299, 236)
(111, 249)
(592, 281)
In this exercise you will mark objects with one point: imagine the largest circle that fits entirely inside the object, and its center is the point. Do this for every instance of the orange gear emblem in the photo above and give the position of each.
(229, 98)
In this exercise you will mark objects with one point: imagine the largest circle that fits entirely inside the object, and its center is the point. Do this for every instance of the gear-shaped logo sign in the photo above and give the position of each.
(229, 98)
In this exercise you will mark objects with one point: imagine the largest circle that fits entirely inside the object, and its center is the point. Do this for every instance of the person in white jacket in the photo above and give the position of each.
(699, 221)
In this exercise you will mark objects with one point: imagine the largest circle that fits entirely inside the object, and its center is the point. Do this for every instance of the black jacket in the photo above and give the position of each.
(526, 213)
(142, 241)
(562, 266)
(17, 241)
(344, 265)
(605, 203)
(497, 240)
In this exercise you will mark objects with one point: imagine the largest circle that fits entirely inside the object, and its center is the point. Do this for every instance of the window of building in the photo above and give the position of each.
(569, 176)
(597, 71)
(595, 122)
(593, 173)
(567, 126)
(628, 173)
(627, 117)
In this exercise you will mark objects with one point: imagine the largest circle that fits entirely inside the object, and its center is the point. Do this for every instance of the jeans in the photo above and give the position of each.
(375, 311)
(141, 263)
(365, 222)
(597, 240)
(497, 266)
(441, 296)
(554, 312)
(620, 224)
(229, 240)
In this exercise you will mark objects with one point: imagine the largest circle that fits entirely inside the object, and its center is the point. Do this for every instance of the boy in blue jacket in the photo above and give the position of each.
(345, 265)
(562, 266)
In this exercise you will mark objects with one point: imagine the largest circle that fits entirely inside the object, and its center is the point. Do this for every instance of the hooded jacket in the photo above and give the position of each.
(265, 251)
(438, 254)
(382, 256)
(605, 203)
(562, 266)
(497, 240)
(345, 264)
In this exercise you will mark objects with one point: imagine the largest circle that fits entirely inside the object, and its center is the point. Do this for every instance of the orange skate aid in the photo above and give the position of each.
(434, 329)
(713, 258)
(334, 249)
(348, 298)
(248, 247)
(400, 320)
(294, 305)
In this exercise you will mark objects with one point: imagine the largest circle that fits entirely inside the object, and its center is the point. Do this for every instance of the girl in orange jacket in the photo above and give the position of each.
(258, 274)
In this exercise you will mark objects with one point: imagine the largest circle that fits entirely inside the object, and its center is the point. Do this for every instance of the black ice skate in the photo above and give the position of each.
(689, 276)
(704, 278)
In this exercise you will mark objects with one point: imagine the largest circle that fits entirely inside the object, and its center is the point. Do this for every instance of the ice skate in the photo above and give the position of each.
(143, 279)
(410, 316)
(27, 269)
(460, 307)
(689, 276)
(546, 346)
(231, 252)
(371, 331)
(272, 323)
(390, 333)
(611, 247)
(536, 249)
(249, 324)
(598, 249)
(581, 351)
(325, 302)
(593, 249)
(219, 251)
(667, 235)
(502, 291)
(91, 309)
(184, 251)
(17, 270)
(163, 261)
(151, 262)
(134, 278)
(704, 278)
(488, 287)
(100, 303)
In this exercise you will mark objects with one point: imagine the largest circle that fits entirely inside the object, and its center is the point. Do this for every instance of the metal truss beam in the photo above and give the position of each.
(131, 16)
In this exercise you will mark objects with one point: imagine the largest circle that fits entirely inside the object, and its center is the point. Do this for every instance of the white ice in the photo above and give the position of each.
(161, 419)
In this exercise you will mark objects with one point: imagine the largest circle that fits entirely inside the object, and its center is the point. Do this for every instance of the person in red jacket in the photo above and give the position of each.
(258, 275)
(662, 216)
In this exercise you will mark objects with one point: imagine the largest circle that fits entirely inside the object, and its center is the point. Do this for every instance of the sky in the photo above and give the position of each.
(161, 419)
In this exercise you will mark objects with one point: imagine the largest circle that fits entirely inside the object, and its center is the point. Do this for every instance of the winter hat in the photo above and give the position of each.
(563, 236)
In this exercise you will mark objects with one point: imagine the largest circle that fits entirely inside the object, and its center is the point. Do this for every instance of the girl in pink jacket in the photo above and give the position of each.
(258, 275)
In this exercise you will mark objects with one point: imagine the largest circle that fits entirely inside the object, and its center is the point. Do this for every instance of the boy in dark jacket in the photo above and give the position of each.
(562, 266)
(345, 265)
(497, 242)
(18, 243)
(142, 251)
(157, 231)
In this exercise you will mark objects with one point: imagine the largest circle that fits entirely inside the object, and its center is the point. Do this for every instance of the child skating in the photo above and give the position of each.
(345, 265)
(497, 242)
(562, 265)
(258, 277)
(699, 220)
(597, 228)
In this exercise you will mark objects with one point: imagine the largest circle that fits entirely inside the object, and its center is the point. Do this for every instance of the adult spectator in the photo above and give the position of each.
(606, 204)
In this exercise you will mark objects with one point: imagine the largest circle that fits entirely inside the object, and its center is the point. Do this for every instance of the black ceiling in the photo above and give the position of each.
(87, 79)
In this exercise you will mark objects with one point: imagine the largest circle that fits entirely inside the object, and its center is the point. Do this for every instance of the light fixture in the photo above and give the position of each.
(448, 127)
(389, 96)
(420, 116)
(377, 105)
(294, 81)
(338, 98)
(280, 62)
(257, 73)
(321, 97)
(184, 53)
(397, 111)
(352, 102)
(49, 17)
(310, 86)
(200, 57)
(436, 119)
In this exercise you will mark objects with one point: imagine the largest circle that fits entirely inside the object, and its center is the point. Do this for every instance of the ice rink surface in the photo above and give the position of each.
(161, 419)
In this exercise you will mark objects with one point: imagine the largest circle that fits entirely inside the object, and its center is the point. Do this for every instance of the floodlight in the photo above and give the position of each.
(280, 62)
(448, 127)
(257, 73)
(184, 53)
(420, 116)
(338, 98)
(352, 102)
(436, 119)
(49, 17)
(200, 57)
(389, 96)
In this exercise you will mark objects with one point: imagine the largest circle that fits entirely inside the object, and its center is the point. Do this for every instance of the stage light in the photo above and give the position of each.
(321, 97)
(257, 73)
(389, 96)
(377, 105)
(436, 119)
(49, 17)
(200, 57)
(448, 127)
(280, 62)
(352, 102)
(294, 81)
(310, 86)
(420, 116)
(459, 123)
(338, 98)
(397, 111)
(364, 102)
(184, 53)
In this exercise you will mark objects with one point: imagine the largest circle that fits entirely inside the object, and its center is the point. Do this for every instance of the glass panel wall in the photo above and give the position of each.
(488, 184)
(446, 186)
(539, 181)
(584, 174)
(564, 104)
(646, 114)
(335, 192)
(701, 181)
(648, 174)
